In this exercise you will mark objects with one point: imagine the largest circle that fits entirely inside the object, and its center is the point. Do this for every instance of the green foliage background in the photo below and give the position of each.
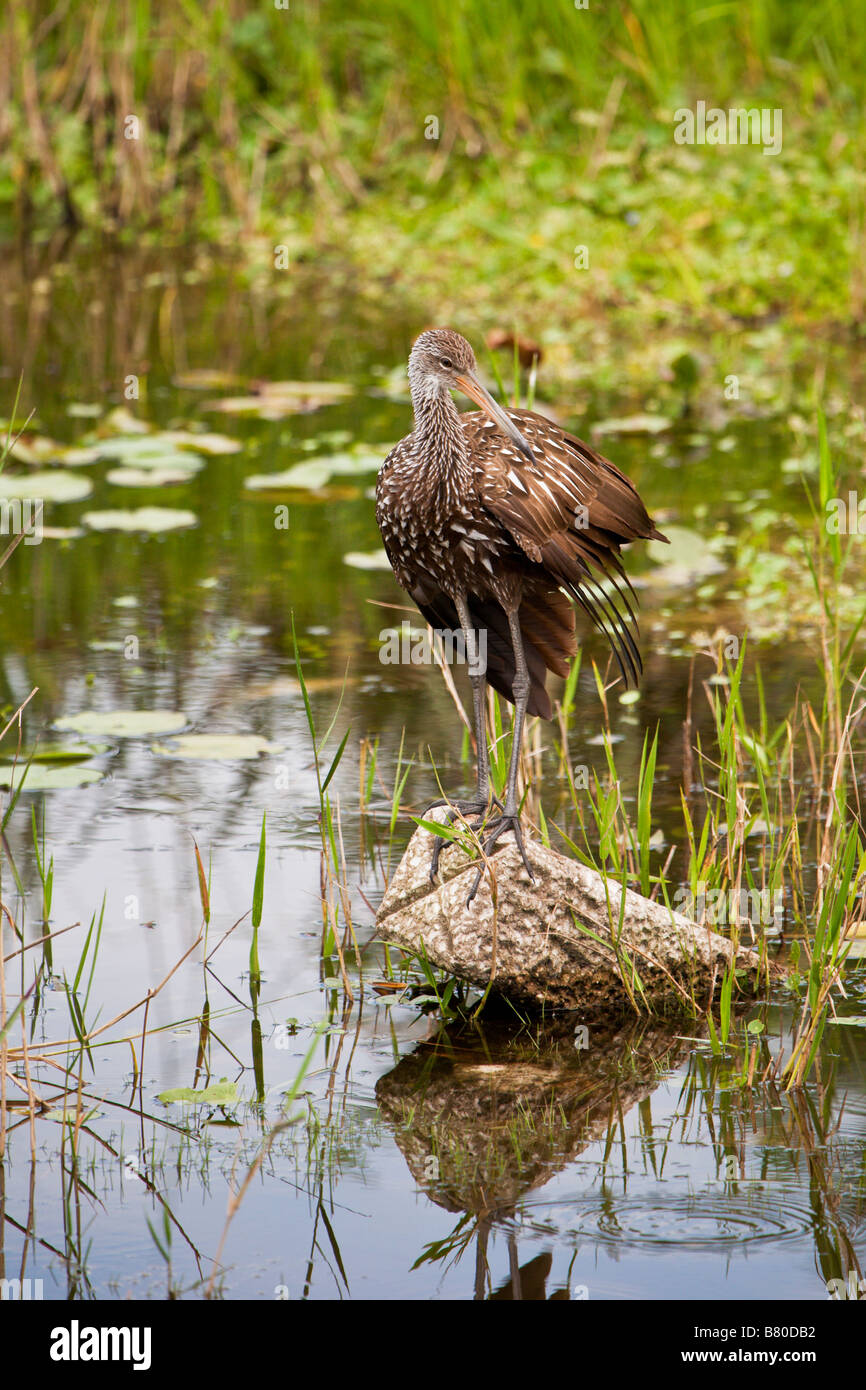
(305, 126)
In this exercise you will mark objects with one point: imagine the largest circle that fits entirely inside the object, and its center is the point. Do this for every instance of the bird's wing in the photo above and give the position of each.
(569, 510)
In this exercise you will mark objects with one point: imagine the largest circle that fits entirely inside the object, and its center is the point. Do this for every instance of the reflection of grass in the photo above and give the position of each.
(45, 1083)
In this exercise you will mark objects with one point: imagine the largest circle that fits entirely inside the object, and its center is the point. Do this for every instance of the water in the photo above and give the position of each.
(419, 1162)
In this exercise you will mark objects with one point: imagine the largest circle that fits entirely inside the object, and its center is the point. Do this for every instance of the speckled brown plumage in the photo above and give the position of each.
(496, 520)
(477, 517)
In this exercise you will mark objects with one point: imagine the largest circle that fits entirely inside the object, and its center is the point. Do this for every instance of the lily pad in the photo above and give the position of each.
(218, 747)
(122, 421)
(124, 723)
(633, 424)
(309, 476)
(55, 753)
(78, 455)
(317, 472)
(325, 390)
(181, 460)
(205, 442)
(124, 446)
(243, 405)
(206, 379)
(333, 439)
(150, 519)
(217, 1093)
(64, 1116)
(149, 451)
(370, 560)
(34, 448)
(147, 477)
(160, 444)
(43, 778)
(689, 557)
(276, 399)
(50, 487)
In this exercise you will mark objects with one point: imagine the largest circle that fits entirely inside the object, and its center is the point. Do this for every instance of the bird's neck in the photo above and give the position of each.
(440, 442)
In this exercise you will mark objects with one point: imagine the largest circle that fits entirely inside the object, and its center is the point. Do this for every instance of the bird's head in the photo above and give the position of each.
(438, 360)
(442, 361)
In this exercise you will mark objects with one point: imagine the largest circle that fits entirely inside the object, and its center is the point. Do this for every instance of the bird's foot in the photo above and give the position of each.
(501, 826)
(458, 810)
(472, 806)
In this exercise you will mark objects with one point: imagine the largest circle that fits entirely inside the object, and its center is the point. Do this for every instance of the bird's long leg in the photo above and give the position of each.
(520, 691)
(478, 804)
(479, 703)
(510, 818)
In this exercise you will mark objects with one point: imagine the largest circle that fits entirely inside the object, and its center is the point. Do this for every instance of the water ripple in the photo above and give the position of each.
(696, 1222)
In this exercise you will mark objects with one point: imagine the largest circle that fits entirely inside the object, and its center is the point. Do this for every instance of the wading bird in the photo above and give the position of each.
(494, 521)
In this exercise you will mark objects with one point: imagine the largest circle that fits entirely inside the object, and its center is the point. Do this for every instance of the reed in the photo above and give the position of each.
(245, 109)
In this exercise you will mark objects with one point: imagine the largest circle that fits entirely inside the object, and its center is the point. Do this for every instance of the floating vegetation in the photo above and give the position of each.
(123, 723)
(274, 400)
(47, 487)
(367, 560)
(633, 424)
(54, 753)
(217, 747)
(157, 476)
(217, 1093)
(143, 453)
(62, 533)
(317, 472)
(42, 777)
(164, 445)
(688, 557)
(206, 379)
(153, 520)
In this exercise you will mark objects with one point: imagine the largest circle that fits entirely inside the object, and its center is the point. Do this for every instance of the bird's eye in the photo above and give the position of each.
(446, 362)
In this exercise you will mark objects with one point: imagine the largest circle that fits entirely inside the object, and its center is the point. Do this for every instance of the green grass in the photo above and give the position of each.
(335, 894)
(305, 128)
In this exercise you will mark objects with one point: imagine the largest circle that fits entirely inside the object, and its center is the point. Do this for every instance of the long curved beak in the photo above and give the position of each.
(471, 387)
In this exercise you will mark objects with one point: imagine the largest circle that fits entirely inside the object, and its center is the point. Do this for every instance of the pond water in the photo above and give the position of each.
(414, 1161)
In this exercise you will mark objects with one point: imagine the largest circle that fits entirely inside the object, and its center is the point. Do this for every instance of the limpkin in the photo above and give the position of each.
(494, 521)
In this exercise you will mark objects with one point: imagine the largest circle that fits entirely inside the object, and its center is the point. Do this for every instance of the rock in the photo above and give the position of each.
(565, 941)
